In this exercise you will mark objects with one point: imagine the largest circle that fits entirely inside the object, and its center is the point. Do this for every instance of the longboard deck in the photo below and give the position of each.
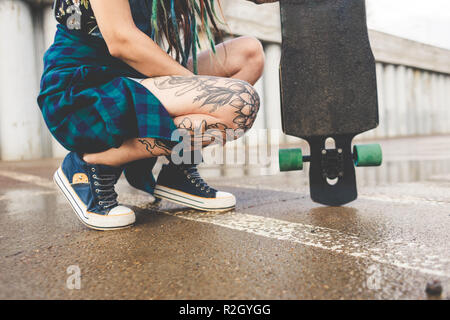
(328, 88)
(327, 69)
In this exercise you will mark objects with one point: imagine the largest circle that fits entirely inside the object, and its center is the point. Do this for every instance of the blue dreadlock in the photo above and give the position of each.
(177, 20)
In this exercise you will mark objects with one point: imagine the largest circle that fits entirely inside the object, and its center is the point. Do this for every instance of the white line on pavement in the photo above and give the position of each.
(29, 178)
(14, 196)
(395, 253)
(405, 200)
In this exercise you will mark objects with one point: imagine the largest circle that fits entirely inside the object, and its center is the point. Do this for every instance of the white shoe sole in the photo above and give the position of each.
(206, 204)
(90, 219)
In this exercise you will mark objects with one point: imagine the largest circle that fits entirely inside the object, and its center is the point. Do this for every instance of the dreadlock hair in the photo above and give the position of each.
(176, 20)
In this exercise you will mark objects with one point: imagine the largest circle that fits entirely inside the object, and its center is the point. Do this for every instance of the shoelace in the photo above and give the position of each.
(194, 176)
(104, 187)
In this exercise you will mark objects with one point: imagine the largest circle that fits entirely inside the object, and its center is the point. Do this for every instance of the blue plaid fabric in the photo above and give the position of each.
(87, 100)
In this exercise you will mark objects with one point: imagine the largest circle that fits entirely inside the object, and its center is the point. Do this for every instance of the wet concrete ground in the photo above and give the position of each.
(277, 244)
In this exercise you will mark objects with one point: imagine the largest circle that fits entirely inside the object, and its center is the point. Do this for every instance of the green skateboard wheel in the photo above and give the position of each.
(367, 155)
(290, 159)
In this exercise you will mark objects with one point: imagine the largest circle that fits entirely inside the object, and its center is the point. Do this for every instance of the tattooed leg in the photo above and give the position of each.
(211, 106)
(201, 129)
(131, 150)
(234, 102)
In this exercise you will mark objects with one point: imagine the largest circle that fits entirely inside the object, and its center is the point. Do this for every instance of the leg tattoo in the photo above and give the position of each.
(209, 91)
(204, 133)
(157, 147)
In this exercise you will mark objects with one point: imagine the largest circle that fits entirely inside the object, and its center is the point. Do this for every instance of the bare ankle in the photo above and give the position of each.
(89, 158)
(93, 158)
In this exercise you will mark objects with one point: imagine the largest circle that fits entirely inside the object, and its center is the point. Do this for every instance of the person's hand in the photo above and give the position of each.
(262, 1)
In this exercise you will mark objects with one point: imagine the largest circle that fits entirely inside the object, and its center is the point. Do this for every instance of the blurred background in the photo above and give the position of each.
(410, 41)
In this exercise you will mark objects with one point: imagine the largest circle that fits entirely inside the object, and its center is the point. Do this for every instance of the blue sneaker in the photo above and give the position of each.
(182, 184)
(89, 189)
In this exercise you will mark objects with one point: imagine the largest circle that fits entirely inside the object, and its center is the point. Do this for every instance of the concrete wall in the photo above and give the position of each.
(413, 79)
(27, 30)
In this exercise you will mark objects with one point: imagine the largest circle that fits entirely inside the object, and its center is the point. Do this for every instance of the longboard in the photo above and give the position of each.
(328, 91)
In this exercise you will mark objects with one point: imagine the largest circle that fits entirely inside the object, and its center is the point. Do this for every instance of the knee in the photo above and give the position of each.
(245, 105)
(253, 53)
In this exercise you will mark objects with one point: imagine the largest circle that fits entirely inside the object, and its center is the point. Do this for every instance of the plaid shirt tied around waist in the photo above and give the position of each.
(87, 100)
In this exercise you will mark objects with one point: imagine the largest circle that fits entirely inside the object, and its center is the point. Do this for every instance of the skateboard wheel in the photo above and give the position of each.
(367, 155)
(290, 159)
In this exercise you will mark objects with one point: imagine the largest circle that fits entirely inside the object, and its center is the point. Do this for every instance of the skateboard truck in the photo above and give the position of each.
(332, 160)
(332, 170)
(332, 163)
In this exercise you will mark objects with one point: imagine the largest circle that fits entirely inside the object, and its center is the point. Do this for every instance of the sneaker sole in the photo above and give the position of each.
(80, 208)
(204, 204)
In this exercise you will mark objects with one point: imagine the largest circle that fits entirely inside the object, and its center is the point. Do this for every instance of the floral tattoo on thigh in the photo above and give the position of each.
(217, 93)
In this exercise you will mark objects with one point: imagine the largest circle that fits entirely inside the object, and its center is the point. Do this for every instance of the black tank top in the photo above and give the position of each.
(78, 15)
